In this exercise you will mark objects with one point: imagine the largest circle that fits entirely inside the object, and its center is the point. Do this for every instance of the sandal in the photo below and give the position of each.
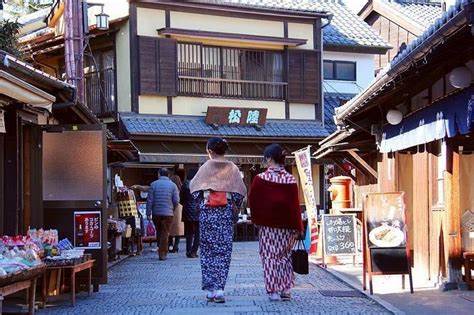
(285, 295)
(211, 296)
(219, 299)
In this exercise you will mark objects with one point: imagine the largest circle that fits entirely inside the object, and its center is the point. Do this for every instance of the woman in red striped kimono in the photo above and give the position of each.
(275, 208)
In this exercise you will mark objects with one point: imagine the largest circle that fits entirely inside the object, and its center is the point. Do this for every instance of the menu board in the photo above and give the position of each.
(87, 229)
(385, 219)
(385, 236)
(339, 234)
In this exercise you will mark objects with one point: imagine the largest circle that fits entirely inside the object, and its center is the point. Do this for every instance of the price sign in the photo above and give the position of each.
(87, 229)
(339, 234)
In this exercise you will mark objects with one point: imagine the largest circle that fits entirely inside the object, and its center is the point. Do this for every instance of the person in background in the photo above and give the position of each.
(218, 189)
(177, 226)
(274, 203)
(190, 216)
(163, 198)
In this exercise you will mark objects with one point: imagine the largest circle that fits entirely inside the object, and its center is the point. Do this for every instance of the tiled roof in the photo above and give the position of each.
(331, 101)
(139, 124)
(424, 42)
(422, 13)
(346, 28)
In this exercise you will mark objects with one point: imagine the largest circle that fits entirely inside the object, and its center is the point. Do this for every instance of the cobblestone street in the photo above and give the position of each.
(144, 285)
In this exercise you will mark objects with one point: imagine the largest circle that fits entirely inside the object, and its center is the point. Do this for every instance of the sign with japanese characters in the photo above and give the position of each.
(87, 229)
(225, 116)
(304, 166)
(2, 122)
(385, 219)
(339, 235)
(386, 249)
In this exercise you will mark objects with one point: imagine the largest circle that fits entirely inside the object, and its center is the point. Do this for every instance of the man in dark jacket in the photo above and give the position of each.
(163, 197)
(190, 217)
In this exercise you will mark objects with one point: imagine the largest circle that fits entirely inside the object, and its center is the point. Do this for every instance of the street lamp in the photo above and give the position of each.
(101, 19)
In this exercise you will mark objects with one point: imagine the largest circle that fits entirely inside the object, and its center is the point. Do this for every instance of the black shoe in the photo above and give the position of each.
(194, 255)
(174, 250)
(189, 255)
(219, 299)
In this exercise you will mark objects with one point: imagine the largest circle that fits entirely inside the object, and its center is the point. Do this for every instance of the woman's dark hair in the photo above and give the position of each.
(217, 145)
(276, 152)
(177, 180)
(191, 173)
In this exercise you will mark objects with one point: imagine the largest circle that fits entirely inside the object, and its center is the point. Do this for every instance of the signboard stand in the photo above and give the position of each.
(338, 235)
(385, 242)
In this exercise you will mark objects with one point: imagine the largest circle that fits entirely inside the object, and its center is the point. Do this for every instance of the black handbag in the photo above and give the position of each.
(299, 258)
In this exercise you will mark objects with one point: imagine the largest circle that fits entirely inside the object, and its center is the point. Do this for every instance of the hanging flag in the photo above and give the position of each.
(303, 163)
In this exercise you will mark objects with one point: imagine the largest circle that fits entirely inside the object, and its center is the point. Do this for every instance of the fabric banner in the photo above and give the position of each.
(303, 163)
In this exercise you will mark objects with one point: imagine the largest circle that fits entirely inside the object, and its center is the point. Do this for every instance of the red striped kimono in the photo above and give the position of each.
(275, 209)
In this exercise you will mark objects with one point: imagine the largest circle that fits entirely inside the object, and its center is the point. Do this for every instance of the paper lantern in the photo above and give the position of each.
(394, 116)
(460, 77)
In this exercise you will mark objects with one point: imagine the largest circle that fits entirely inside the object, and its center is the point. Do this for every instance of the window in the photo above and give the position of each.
(339, 70)
(230, 72)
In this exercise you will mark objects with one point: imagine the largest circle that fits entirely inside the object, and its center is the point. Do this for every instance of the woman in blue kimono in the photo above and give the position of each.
(219, 189)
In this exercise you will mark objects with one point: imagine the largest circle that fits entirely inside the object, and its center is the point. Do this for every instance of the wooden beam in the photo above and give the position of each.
(453, 208)
(363, 163)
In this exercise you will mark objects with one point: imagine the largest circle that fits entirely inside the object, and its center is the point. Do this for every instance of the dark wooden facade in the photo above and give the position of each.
(432, 174)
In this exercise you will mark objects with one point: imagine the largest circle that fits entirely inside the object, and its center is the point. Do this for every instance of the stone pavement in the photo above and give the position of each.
(144, 285)
(426, 299)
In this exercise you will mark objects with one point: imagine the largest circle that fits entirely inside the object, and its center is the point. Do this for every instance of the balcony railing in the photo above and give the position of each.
(100, 92)
(243, 89)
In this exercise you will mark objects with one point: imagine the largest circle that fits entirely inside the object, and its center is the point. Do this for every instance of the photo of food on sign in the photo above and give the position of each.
(385, 216)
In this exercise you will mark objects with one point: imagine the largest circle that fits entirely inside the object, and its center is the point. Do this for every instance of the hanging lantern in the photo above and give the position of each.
(394, 116)
(102, 21)
(460, 77)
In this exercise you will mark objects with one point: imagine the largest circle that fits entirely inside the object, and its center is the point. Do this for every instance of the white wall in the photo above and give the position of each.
(364, 72)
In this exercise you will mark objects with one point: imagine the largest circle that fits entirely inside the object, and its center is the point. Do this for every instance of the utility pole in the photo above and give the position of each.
(74, 46)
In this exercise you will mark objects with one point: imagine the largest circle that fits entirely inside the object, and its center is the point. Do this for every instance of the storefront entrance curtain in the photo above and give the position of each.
(446, 118)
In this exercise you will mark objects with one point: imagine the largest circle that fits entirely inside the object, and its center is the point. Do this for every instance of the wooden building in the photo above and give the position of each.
(399, 22)
(168, 75)
(52, 156)
(411, 131)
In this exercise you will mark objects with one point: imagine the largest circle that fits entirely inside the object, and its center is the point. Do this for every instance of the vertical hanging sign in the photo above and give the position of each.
(2, 122)
(303, 163)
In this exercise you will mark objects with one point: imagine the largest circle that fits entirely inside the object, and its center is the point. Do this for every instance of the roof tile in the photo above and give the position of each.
(346, 28)
(196, 125)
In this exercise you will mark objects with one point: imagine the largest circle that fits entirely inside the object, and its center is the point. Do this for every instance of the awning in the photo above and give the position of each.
(23, 92)
(446, 118)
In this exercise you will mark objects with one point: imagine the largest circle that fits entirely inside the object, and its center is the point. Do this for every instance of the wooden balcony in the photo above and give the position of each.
(101, 93)
(225, 88)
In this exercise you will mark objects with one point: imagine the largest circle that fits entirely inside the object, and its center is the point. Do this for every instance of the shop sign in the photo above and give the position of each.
(339, 236)
(225, 116)
(385, 231)
(303, 163)
(87, 229)
(2, 122)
